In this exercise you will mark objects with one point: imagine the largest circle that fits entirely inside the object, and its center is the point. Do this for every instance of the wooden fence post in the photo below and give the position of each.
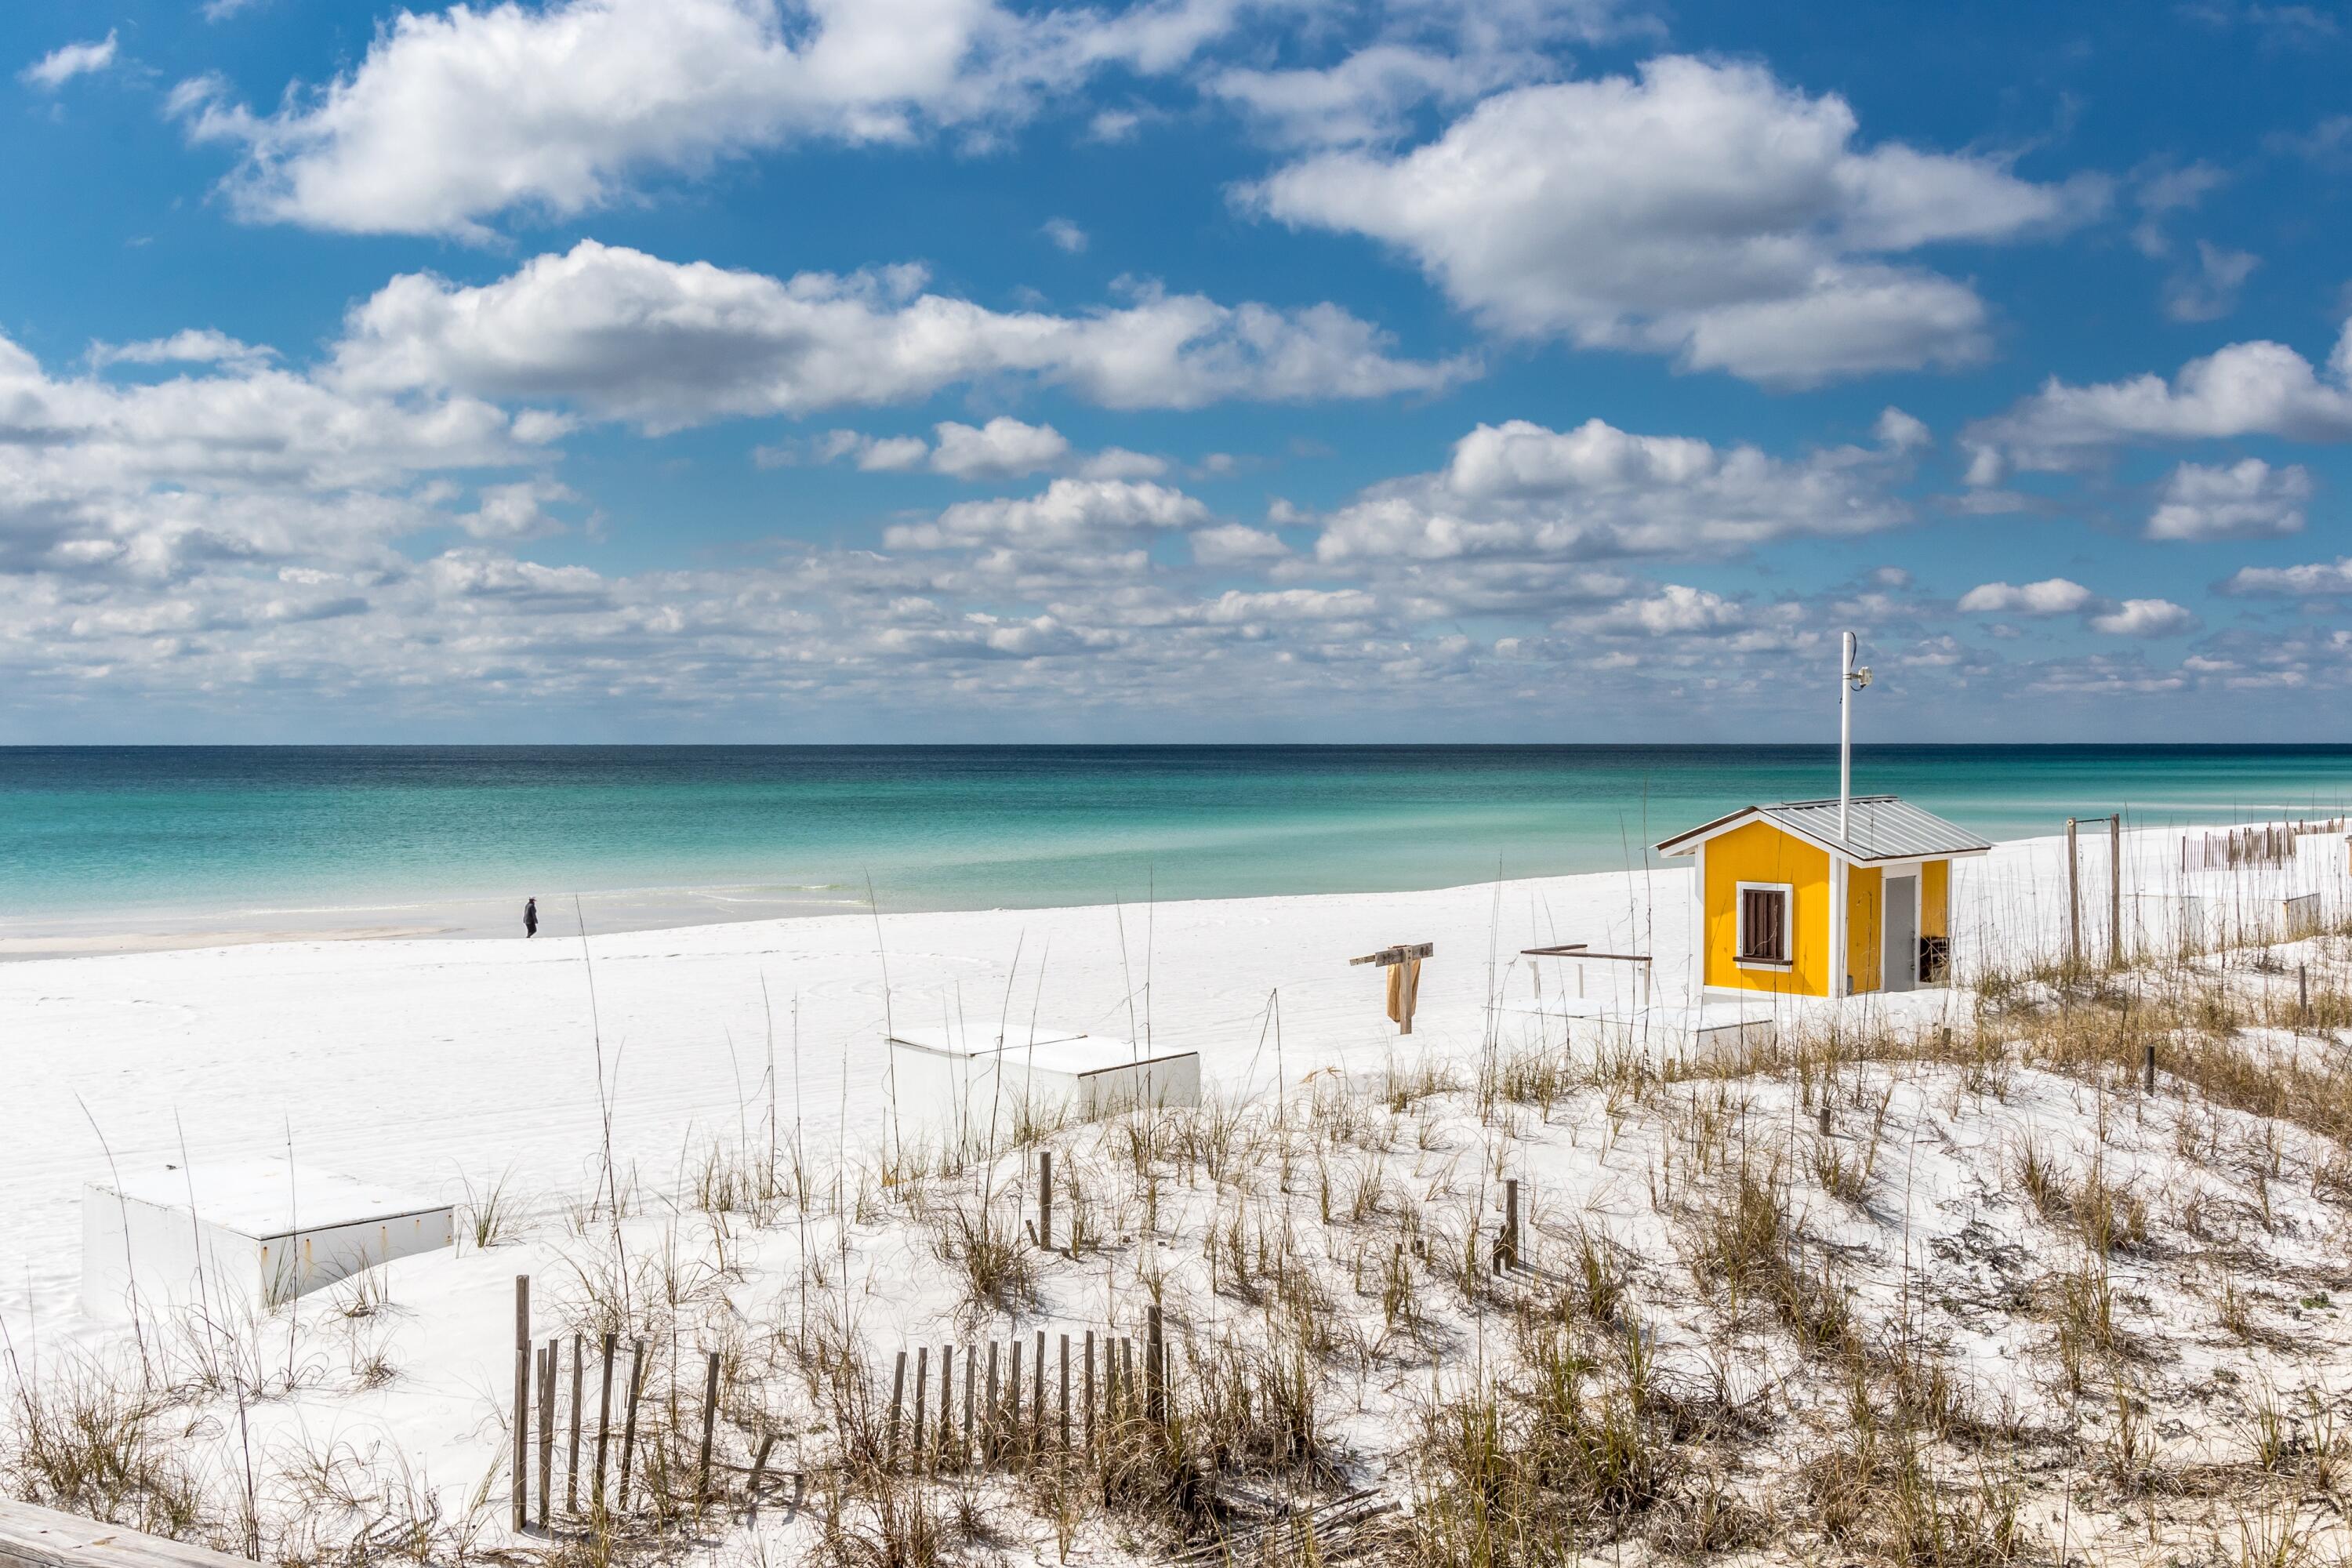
(522, 1486)
(2115, 891)
(897, 1393)
(629, 1421)
(991, 1415)
(1506, 1255)
(709, 1425)
(1089, 1377)
(1037, 1398)
(605, 1421)
(2073, 904)
(946, 1400)
(571, 1464)
(922, 1404)
(1155, 1406)
(1045, 1200)
(1065, 1397)
(551, 1358)
(964, 1458)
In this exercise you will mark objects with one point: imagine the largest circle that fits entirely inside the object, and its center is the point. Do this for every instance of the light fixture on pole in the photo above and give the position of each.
(1852, 677)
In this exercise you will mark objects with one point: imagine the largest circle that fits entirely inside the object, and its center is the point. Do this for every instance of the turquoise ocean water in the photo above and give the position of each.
(106, 839)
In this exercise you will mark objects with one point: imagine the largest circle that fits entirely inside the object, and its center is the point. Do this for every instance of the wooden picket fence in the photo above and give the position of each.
(1009, 1414)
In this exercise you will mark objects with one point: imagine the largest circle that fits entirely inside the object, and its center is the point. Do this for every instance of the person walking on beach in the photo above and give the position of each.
(529, 918)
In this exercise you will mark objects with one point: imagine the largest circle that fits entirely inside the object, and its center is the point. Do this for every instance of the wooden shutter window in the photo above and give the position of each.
(1764, 925)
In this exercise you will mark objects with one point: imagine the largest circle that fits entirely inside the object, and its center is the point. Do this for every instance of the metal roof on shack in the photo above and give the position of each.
(1878, 827)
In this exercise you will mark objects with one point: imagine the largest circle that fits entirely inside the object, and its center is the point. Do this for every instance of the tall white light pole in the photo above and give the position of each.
(1852, 677)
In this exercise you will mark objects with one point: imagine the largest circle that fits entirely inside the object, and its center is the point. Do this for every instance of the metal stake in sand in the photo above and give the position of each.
(522, 1486)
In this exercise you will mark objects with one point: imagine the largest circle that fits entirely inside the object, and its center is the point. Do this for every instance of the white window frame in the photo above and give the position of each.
(1788, 892)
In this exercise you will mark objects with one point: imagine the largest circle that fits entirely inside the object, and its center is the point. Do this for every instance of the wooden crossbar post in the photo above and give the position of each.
(1404, 964)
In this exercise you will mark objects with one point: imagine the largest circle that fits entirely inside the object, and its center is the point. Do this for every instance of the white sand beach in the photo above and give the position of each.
(437, 1066)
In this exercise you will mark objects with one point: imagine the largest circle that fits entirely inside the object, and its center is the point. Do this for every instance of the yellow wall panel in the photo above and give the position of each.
(1864, 886)
(1759, 852)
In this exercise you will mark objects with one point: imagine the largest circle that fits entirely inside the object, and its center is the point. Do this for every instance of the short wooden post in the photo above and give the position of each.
(922, 1404)
(629, 1420)
(2074, 903)
(603, 1421)
(897, 1393)
(2115, 891)
(548, 1359)
(709, 1426)
(1037, 1397)
(522, 1404)
(1088, 1375)
(572, 1462)
(968, 1372)
(994, 1412)
(1045, 1200)
(2151, 1067)
(1127, 1375)
(759, 1468)
(947, 1399)
(1155, 1408)
(1821, 1109)
(1012, 1401)
(2303, 991)
(1065, 1396)
(1507, 1255)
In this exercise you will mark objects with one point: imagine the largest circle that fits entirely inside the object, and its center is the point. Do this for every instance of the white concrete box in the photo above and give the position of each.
(242, 1236)
(969, 1092)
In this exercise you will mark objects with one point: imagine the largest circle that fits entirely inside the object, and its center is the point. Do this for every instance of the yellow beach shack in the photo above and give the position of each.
(1823, 897)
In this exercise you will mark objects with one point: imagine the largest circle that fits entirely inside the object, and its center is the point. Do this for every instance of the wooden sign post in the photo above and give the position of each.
(1403, 964)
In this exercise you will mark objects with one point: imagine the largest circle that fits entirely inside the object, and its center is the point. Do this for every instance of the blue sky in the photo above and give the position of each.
(954, 369)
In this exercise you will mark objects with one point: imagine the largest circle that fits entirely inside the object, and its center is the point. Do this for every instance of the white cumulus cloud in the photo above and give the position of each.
(1701, 209)
(456, 116)
(2247, 500)
(626, 335)
(2051, 596)
(62, 64)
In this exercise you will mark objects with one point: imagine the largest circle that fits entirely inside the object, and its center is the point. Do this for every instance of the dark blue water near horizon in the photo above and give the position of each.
(292, 836)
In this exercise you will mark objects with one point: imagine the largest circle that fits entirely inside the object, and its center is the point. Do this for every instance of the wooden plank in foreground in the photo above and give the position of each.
(33, 1537)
